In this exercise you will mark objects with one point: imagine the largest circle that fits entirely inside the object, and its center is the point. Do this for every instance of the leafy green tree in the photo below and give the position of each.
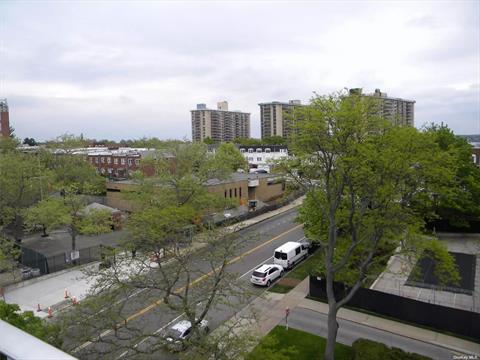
(23, 181)
(230, 156)
(71, 213)
(9, 254)
(361, 175)
(167, 204)
(29, 141)
(460, 203)
(31, 324)
(208, 141)
(50, 214)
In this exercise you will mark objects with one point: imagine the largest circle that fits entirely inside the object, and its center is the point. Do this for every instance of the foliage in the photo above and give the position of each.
(151, 143)
(461, 202)
(9, 254)
(49, 213)
(8, 144)
(23, 181)
(362, 175)
(31, 324)
(228, 155)
(367, 349)
(167, 204)
(68, 211)
(270, 140)
(67, 142)
(29, 141)
(294, 344)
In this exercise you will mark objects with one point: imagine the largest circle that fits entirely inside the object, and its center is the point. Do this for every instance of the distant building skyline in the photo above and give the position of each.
(219, 125)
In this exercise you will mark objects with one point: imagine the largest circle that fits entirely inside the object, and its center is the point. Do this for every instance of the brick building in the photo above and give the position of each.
(244, 188)
(4, 119)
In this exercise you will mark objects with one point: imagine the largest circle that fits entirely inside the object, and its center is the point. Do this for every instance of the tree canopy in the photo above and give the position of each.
(362, 176)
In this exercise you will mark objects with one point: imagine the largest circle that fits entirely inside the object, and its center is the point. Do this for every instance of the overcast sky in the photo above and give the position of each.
(121, 70)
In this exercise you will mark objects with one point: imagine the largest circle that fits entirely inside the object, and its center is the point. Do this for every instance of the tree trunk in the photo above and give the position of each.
(332, 329)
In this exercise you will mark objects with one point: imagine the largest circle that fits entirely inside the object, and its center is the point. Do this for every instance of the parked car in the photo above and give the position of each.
(266, 274)
(290, 253)
(181, 331)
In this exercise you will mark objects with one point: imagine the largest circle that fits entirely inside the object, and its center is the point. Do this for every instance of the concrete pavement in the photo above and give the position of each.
(49, 290)
(272, 313)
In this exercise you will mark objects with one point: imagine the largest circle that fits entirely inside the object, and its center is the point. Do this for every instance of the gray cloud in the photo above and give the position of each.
(122, 70)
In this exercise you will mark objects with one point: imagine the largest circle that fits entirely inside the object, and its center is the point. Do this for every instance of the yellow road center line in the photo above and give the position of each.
(197, 280)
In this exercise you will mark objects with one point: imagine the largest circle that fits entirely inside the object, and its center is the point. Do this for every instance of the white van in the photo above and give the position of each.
(290, 253)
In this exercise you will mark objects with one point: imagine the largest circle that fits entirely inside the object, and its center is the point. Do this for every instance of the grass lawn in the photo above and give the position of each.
(299, 272)
(306, 346)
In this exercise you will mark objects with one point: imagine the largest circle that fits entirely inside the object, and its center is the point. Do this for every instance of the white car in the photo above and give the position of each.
(266, 274)
(181, 331)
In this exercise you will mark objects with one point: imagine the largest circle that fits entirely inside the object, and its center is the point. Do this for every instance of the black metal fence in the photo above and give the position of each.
(251, 214)
(52, 263)
(456, 321)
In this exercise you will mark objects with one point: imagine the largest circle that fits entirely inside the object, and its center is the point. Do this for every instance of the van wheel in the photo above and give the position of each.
(269, 283)
(281, 273)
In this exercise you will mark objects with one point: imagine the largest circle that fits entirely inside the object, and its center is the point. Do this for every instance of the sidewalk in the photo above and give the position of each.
(272, 307)
(49, 290)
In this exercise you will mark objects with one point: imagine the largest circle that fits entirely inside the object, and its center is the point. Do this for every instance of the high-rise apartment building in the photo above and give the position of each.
(276, 118)
(219, 125)
(4, 120)
(399, 111)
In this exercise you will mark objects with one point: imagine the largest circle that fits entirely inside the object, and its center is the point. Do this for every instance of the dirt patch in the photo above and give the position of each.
(289, 282)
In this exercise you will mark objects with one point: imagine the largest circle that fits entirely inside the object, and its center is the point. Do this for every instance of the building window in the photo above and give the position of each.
(267, 150)
(225, 193)
(109, 160)
(235, 192)
(96, 160)
(242, 150)
(122, 161)
(259, 150)
(259, 159)
(137, 162)
(250, 151)
(102, 160)
(129, 162)
(250, 158)
(230, 192)
(240, 192)
(115, 161)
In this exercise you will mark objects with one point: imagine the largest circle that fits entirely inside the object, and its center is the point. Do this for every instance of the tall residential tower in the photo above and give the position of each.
(275, 118)
(4, 121)
(219, 125)
(398, 111)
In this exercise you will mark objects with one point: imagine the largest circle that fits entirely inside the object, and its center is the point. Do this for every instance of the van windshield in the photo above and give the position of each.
(281, 256)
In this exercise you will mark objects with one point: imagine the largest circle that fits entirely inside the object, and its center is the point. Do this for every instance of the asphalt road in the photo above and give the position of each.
(316, 323)
(261, 240)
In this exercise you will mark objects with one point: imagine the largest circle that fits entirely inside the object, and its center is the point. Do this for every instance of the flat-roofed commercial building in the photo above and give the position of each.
(219, 125)
(276, 118)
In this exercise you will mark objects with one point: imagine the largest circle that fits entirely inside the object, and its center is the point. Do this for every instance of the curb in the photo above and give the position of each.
(394, 333)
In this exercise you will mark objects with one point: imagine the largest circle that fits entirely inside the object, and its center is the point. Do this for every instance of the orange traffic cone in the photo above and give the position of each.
(50, 312)
(66, 294)
(39, 308)
(74, 301)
